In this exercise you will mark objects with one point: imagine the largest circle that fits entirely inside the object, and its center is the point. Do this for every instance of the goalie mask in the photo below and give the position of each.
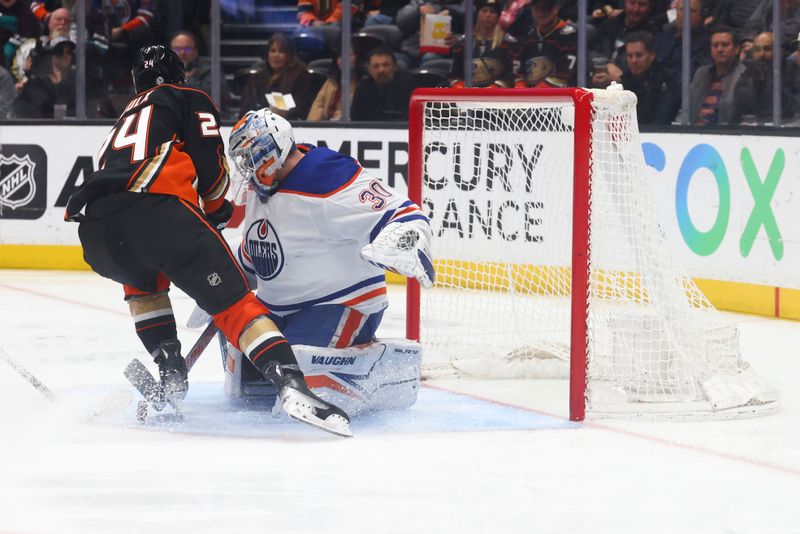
(259, 145)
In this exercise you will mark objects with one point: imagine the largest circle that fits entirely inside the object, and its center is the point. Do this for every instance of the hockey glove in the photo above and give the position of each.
(219, 218)
(405, 249)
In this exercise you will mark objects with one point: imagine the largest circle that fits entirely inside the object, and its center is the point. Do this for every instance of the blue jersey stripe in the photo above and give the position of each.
(379, 226)
(326, 298)
(411, 217)
(320, 172)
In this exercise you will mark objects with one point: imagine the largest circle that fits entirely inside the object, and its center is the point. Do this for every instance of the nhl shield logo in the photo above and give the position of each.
(23, 181)
(17, 185)
(263, 249)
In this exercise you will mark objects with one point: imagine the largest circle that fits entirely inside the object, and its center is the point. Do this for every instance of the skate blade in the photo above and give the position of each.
(335, 424)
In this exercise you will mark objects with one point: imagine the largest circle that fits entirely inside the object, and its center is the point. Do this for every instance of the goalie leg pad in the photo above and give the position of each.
(382, 375)
(242, 379)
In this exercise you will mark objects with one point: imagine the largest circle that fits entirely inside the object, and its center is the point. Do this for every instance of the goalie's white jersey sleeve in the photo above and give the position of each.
(303, 244)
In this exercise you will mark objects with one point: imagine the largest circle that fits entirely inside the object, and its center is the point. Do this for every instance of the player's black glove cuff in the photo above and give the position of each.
(75, 204)
(219, 218)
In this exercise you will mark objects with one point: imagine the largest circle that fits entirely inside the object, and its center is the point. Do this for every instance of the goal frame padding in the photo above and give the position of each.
(582, 151)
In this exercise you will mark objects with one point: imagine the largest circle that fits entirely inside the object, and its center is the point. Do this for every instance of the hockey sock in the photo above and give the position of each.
(153, 320)
(263, 343)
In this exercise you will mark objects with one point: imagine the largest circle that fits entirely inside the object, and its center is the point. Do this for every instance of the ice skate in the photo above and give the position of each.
(173, 371)
(298, 402)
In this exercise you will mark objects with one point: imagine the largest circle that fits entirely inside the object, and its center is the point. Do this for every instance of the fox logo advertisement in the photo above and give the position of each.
(23, 182)
(263, 249)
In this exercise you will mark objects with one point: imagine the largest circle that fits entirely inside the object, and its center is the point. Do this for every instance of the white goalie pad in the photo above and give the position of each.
(382, 375)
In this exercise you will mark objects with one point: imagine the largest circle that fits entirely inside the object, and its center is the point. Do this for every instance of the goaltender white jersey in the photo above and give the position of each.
(302, 245)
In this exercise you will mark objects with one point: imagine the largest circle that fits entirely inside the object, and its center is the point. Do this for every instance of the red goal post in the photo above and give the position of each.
(623, 378)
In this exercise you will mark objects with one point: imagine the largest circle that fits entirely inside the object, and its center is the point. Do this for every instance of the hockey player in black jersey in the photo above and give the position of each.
(152, 217)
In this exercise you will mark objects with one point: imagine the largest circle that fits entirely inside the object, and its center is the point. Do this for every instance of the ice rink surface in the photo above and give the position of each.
(471, 455)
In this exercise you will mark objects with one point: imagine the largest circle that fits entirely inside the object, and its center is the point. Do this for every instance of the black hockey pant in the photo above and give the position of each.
(132, 237)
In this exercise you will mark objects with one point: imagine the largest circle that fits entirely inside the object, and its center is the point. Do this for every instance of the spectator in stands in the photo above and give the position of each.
(384, 94)
(733, 13)
(58, 25)
(791, 80)
(409, 18)
(327, 105)
(753, 98)
(657, 91)
(319, 12)
(131, 22)
(15, 18)
(761, 20)
(323, 17)
(129, 25)
(284, 73)
(604, 10)
(492, 50)
(51, 81)
(714, 85)
(381, 11)
(7, 92)
(607, 43)
(516, 19)
(198, 68)
(547, 56)
(669, 43)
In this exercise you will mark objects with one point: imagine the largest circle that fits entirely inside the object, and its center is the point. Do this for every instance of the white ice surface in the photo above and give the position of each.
(62, 470)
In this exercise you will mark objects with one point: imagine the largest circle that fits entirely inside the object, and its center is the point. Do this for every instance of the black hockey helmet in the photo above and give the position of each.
(155, 65)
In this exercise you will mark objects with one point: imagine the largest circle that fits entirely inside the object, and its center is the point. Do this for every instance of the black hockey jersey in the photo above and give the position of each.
(491, 65)
(166, 141)
(548, 60)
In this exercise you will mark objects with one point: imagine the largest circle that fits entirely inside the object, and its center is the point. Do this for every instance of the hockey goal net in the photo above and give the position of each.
(550, 260)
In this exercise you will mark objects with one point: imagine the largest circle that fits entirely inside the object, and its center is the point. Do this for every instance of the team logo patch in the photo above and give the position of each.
(214, 279)
(23, 182)
(263, 248)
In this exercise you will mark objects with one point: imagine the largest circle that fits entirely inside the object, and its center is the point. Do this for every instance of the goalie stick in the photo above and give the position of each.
(151, 389)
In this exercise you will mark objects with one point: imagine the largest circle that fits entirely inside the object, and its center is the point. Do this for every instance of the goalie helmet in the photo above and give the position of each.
(155, 65)
(259, 145)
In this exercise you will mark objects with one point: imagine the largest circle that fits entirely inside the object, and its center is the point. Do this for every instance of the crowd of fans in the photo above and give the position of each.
(515, 43)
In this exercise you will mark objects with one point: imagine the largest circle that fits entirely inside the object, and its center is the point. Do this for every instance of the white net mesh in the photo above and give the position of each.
(498, 181)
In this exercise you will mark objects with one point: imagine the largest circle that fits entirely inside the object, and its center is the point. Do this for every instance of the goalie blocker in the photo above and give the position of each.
(382, 375)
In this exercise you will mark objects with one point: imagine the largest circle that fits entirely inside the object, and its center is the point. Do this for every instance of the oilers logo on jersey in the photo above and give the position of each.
(262, 248)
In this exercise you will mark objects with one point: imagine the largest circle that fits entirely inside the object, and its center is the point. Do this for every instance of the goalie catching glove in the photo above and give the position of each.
(403, 248)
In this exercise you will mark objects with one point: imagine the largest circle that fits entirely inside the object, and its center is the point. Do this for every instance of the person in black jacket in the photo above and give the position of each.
(607, 43)
(657, 91)
(384, 94)
(753, 94)
(50, 82)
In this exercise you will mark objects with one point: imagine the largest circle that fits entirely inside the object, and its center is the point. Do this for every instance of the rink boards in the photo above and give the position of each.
(727, 203)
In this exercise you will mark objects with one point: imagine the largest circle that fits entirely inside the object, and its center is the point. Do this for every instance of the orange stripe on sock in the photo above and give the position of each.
(155, 325)
(264, 351)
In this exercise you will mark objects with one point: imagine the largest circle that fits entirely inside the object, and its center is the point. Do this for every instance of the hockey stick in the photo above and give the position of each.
(27, 375)
(223, 348)
(152, 390)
